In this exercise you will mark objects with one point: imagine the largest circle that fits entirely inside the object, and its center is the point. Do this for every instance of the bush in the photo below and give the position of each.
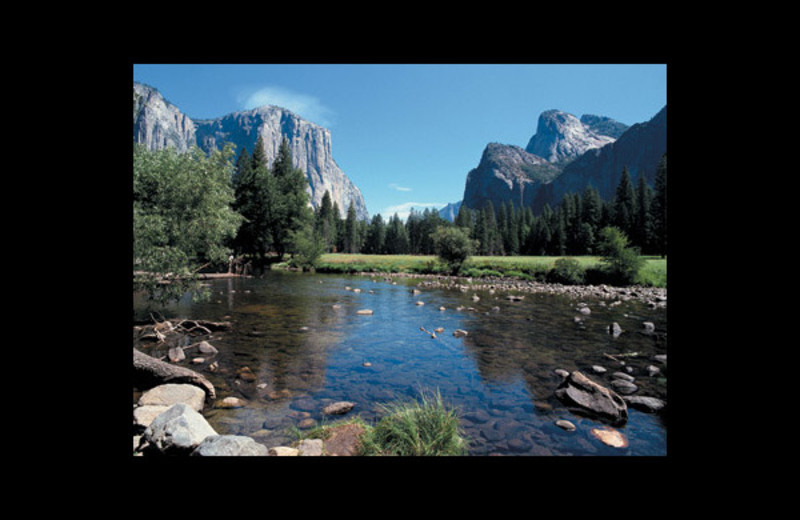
(416, 428)
(307, 248)
(453, 246)
(621, 263)
(567, 271)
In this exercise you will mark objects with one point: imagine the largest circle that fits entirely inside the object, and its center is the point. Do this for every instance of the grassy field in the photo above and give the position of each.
(654, 272)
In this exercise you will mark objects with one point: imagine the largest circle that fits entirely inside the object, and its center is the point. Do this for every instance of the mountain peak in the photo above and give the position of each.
(560, 136)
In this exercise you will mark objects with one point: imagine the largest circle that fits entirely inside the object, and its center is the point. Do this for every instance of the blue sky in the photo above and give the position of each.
(408, 134)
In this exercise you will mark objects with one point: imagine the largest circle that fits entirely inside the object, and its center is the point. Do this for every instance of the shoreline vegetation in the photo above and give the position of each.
(541, 269)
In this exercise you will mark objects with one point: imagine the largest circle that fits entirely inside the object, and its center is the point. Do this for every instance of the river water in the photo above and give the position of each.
(301, 337)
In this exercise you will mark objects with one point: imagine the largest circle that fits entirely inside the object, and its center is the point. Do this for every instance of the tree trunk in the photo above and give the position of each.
(149, 371)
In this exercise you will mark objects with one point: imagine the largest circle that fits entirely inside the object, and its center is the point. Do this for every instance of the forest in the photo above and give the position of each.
(195, 211)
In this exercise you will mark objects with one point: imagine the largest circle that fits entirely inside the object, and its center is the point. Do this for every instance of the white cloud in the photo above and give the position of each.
(404, 209)
(306, 106)
(399, 188)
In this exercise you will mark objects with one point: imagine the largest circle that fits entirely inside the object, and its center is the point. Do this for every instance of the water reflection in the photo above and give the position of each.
(297, 343)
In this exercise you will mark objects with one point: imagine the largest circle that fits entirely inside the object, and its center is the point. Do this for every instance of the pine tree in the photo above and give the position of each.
(376, 235)
(643, 229)
(625, 204)
(254, 199)
(244, 166)
(324, 223)
(351, 230)
(396, 237)
(659, 208)
(291, 211)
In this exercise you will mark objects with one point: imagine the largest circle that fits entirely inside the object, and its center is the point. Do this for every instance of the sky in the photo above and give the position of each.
(408, 134)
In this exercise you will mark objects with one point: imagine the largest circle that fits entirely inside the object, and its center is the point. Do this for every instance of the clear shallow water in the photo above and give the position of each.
(301, 337)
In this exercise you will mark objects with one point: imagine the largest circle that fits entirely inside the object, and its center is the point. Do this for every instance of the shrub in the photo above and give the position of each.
(453, 246)
(416, 428)
(567, 271)
(621, 263)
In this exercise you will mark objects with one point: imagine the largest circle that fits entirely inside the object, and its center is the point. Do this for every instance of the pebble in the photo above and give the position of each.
(566, 425)
(598, 369)
(610, 437)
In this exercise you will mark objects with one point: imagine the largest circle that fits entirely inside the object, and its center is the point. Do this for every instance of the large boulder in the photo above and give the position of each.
(179, 430)
(170, 394)
(577, 389)
(229, 446)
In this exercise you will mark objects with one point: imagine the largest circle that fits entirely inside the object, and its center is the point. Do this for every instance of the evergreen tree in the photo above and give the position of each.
(643, 229)
(659, 208)
(376, 236)
(624, 208)
(324, 222)
(396, 237)
(291, 211)
(351, 244)
(464, 219)
(244, 166)
(255, 198)
(337, 233)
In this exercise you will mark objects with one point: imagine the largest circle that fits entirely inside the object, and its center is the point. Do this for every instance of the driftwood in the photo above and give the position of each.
(149, 371)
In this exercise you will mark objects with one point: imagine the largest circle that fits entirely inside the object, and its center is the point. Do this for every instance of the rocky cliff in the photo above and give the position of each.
(565, 155)
(561, 136)
(159, 124)
(639, 149)
(504, 173)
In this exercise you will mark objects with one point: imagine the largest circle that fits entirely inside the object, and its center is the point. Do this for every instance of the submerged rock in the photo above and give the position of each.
(579, 390)
(610, 437)
(338, 408)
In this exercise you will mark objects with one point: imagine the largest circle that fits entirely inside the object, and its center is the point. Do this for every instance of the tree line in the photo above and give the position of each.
(572, 227)
(196, 210)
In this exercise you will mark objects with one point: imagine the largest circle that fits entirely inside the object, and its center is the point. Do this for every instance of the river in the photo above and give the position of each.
(301, 336)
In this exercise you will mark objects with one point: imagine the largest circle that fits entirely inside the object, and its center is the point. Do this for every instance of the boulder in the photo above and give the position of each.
(229, 445)
(207, 348)
(310, 448)
(579, 390)
(284, 451)
(624, 387)
(169, 394)
(231, 402)
(179, 430)
(338, 408)
(645, 404)
(344, 440)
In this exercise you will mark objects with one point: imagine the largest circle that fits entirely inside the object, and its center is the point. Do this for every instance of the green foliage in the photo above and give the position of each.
(453, 246)
(567, 271)
(621, 262)
(424, 427)
(307, 246)
(181, 217)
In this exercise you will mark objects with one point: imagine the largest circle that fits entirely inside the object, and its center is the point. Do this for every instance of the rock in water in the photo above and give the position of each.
(178, 430)
(610, 437)
(339, 408)
(579, 390)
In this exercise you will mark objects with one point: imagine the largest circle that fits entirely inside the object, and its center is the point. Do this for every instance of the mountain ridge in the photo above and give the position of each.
(581, 152)
(159, 123)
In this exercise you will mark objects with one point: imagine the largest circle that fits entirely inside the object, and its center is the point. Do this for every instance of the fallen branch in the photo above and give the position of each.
(625, 354)
(149, 372)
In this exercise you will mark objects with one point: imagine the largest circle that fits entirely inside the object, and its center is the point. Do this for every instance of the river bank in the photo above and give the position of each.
(655, 297)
